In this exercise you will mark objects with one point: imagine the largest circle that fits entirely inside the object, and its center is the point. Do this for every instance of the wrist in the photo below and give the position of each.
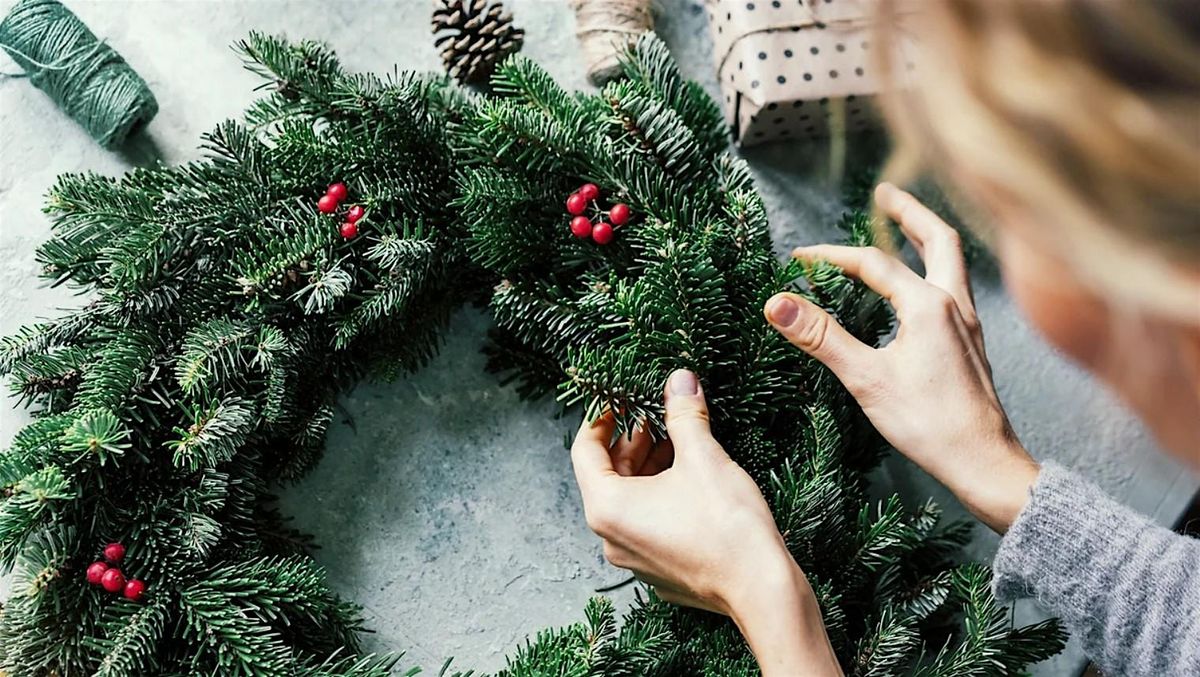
(767, 583)
(778, 614)
(996, 487)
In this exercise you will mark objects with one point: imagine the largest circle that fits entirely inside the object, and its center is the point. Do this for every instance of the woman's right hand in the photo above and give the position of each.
(929, 392)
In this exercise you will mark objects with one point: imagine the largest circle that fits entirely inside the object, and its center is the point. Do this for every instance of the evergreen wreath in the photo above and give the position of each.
(231, 305)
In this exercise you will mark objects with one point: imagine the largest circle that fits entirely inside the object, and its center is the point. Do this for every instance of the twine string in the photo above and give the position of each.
(58, 64)
(84, 76)
(604, 28)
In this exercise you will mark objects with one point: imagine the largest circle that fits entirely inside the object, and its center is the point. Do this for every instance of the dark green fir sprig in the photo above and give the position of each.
(227, 314)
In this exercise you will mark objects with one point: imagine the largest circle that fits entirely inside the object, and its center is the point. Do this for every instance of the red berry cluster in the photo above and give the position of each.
(108, 576)
(329, 203)
(600, 231)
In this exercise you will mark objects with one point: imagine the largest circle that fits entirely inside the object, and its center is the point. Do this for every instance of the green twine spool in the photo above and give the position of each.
(85, 77)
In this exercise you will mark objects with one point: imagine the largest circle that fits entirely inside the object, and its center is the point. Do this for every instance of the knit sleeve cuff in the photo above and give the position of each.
(1067, 523)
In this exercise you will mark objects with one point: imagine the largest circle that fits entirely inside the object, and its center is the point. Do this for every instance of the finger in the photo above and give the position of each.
(939, 245)
(630, 452)
(687, 412)
(659, 459)
(590, 455)
(814, 331)
(884, 273)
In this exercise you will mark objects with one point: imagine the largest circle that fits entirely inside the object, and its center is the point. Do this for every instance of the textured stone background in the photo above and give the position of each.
(445, 506)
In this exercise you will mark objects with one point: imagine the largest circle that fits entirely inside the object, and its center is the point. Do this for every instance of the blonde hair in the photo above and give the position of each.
(1083, 115)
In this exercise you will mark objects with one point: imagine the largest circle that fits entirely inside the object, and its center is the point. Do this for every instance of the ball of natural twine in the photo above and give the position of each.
(604, 28)
(90, 81)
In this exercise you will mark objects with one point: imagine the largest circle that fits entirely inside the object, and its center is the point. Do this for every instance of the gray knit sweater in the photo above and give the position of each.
(1127, 589)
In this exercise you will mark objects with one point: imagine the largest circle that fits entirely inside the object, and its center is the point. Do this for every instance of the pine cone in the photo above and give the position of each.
(473, 37)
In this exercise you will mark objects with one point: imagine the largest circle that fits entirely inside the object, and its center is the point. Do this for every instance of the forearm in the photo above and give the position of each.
(1127, 589)
(781, 622)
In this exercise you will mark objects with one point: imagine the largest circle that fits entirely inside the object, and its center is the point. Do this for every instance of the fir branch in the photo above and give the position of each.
(369, 665)
(214, 435)
(891, 643)
(620, 380)
(130, 642)
(323, 290)
(390, 298)
(96, 433)
(37, 444)
(652, 128)
(212, 354)
(239, 644)
(29, 340)
(989, 646)
(29, 502)
(520, 80)
(648, 63)
(123, 364)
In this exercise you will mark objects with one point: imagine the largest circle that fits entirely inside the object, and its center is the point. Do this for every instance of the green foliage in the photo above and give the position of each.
(215, 436)
(227, 315)
(596, 646)
(96, 433)
(683, 286)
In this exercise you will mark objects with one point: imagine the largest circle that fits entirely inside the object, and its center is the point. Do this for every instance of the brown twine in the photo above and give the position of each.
(604, 28)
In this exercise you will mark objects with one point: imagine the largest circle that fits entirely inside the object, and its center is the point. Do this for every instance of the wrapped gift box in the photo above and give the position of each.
(794, 68)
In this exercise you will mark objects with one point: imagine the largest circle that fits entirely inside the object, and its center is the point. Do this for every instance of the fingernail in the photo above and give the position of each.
(683, 382)
(782, 311)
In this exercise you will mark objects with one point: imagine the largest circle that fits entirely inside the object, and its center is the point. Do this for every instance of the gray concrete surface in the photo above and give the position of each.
(448, 509)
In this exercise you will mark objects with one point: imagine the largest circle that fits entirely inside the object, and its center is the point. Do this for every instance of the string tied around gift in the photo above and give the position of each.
(83, 75)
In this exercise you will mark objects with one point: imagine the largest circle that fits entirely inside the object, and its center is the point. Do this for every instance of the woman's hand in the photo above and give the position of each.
(690, 522)
(929, 391)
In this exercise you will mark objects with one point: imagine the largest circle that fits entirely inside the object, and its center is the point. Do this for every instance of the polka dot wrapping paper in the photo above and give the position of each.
(794, 69)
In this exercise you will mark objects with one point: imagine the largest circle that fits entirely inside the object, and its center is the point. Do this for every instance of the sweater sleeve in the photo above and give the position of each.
(1127, 589)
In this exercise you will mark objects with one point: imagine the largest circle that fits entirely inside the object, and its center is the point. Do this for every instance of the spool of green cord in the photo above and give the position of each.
(86, 78)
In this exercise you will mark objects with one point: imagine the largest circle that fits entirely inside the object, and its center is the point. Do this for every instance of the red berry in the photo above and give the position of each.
(349, 229)
(134, 590)
(327, 204)
(114, 552)
(589, 191)
(619, 214)
(355, 213)
(95, 572)
(602, 233)
(337, 191)
(576, 204)
(113, 580)
(581, 226)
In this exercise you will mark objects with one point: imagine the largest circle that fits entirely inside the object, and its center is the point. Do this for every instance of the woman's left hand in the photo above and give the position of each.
(689, 521)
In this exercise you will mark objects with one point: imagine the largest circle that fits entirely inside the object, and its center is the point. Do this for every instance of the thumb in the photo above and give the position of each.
(687, 414)
(814, 331)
